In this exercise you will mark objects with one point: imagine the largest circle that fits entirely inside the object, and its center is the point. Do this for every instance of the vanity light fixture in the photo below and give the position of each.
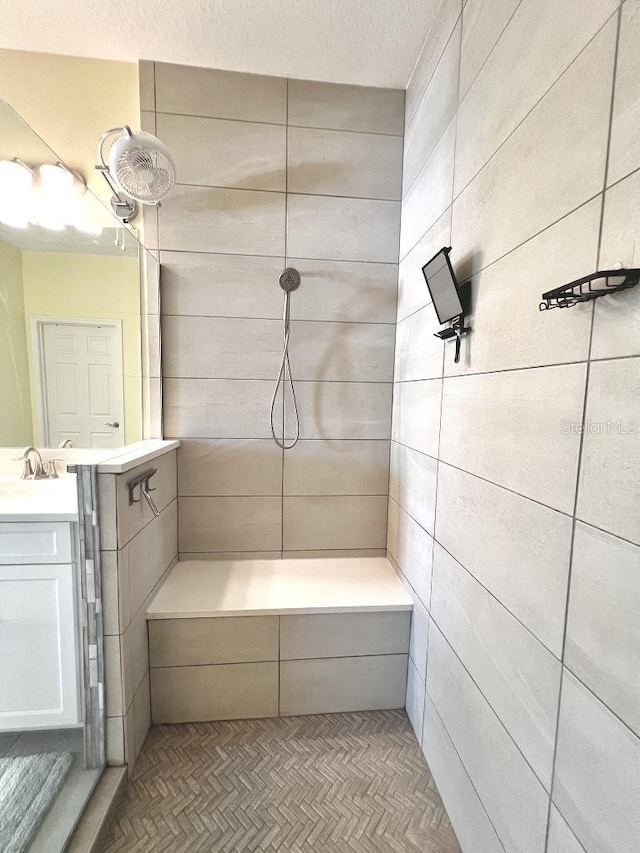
(16, 193)
(45, 195)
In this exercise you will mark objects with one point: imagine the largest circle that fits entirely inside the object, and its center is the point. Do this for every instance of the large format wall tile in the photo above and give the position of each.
(341, 410)
(337, 468)
(518, 676)
(352, 292)
(412, 483)
(510, 331)
(441, 30)
(418, 351)
(416, 414)
(412, 549)
(221, 348)
(230, 524)
(243, 222)
(609, 492)
(221, 94)
(342, 229)
(616, 327)
(217, 408)
(469, 818)
(517, 549)
(346, 107)
(550, 165)
(218, 153)
(341, 163)
(415, 700)
(483, 23)
(605, 592)
(624, 154)
(341, 352)
(508, 427)
(515, 77)
(434, 112)
(430, 194)
(208, 285)
(227, 467)
(597, 783)
(413, 293)
(347, 522)
(561, 838)
(150, 553)
(514, 799)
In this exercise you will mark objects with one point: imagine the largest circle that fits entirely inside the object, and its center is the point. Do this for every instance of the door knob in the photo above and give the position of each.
(115, 424)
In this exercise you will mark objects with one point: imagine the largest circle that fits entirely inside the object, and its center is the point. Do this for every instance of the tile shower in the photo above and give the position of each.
(277, 172)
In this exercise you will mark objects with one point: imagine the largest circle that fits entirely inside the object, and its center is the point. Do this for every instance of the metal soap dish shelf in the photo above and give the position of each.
(583, 290)
(142, 481)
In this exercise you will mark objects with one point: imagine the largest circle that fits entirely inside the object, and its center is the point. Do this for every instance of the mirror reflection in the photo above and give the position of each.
(70, 348)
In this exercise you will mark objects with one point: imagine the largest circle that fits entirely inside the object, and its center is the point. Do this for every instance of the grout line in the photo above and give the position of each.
(284, 192)
(265, 379)
(278, 255)
(279, 319)
(581, 441)
(600, 701)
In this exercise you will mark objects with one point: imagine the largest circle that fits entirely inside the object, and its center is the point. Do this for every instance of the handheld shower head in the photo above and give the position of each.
(290, 279)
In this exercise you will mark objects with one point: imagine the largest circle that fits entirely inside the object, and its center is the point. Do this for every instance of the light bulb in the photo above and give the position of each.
(16, 193)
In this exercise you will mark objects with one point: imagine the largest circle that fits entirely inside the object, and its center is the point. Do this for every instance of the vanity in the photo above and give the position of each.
(40, 662)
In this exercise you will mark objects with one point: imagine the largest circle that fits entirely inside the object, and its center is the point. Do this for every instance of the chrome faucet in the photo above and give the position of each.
(31, 471)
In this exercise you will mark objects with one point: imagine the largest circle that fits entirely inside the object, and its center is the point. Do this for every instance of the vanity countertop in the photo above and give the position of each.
(38, 500)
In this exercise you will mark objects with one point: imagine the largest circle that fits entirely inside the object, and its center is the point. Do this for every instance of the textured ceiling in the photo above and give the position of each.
(367, 42)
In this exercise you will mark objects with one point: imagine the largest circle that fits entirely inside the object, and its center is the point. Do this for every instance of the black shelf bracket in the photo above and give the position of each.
(584, 289)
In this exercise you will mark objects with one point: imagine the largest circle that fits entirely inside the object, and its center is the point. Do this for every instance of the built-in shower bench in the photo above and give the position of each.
(265, 638)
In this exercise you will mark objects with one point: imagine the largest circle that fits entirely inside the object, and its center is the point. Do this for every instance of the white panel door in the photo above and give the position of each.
(38, 656)
(83, 384)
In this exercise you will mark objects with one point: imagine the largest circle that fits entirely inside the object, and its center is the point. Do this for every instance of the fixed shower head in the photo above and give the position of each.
(290, 279)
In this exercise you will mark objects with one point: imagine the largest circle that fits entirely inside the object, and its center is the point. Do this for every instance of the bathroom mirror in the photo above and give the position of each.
(70, 297)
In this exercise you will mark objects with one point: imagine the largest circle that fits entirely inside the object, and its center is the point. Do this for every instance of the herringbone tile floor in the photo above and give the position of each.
(334, 783)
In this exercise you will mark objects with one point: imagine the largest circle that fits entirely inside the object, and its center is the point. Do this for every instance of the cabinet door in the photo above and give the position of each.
(38, 661)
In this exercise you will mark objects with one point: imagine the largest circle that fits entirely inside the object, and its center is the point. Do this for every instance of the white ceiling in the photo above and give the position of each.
(367, 42)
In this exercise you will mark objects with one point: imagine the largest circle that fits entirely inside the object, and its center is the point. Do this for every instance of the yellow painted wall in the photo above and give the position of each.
(104, 287)
(69, 101)
(15, 400)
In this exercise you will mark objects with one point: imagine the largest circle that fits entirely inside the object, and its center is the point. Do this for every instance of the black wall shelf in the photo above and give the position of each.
(584, 289)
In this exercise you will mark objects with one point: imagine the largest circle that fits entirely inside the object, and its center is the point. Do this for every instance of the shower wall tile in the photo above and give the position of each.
(517, 549)
(624, 154)
(434, 111)
(221, 348)
(147, 85)
(204, 219)
(411, 547)
(340, 352)
(413, 293)
(341, 163)
(616, 327)
(222, 238)
(347, 522)
(519, 677)
(225, 467)
(220, 153)
(209, 285)
(488, 419)
(230, 524)
(418, 351)
(327, 467)
(188, 90)
(513, 79)
(597, 784)
(493, 215)
(341, 107)
(416, 415)
(473, 827)
(318, 553)
(415, 700)
(561, 838)
(605, 589)
(347, 229)
(514, 799)
(609, 492)
(338, 290)
(217, 408)
(482, 25)
(412, 483)
(341, 410)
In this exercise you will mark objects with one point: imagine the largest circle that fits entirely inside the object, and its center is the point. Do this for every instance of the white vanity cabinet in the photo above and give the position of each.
(39, 672)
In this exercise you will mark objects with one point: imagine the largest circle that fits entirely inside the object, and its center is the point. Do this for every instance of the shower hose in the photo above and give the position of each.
(284, 376)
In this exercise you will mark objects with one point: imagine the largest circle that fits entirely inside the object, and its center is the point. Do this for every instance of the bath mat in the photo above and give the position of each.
(29, 785)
